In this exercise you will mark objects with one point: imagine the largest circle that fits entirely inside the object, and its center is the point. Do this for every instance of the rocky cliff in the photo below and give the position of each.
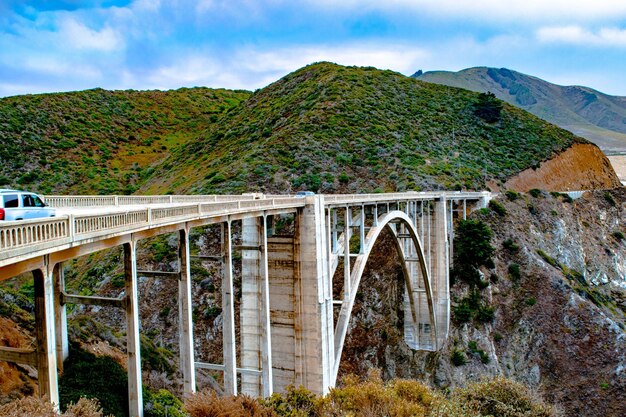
(557, 287)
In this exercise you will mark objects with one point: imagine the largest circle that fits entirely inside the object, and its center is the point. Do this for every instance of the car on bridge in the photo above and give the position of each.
(22, 205)
(304, 193)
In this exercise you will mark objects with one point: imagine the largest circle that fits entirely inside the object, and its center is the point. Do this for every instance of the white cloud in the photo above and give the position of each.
(80, 36)
(490, 10)
(579, 36)
(402, 58)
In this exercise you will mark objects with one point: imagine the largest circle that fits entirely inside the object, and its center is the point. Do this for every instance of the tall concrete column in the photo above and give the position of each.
(439, 271)
(228, 313)
(60, 316)
(45, 332)
(184, 311)
(314, 327)
(250, 308)
(135, 395)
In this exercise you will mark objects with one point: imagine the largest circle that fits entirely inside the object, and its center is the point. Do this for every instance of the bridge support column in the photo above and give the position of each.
(228, 311)
(314, 311)
(45, 332)
(439, 268)
(256, 351)
(135, 395)
(184, 311)
(60, 316)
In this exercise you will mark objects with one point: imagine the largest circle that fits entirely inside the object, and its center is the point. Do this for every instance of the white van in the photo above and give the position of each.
(22, 205)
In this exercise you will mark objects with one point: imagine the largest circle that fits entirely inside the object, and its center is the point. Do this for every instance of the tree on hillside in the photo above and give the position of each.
(488, 107)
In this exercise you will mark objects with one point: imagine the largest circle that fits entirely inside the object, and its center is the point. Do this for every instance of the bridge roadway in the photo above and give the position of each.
(288, 334)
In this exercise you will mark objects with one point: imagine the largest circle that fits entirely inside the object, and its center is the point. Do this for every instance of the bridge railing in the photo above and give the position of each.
(412, 195)
(62, 201)
(29, 236)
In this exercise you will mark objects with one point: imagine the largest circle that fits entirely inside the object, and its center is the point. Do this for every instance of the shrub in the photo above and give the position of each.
(458, 358)
(208, 404)
(510, 245)
(41, 407)
(618, 235)
(511, 195)
(515, 272)
(86, 375)
(497, 207)
(162, 403)
(501, 397)
(609, 199)
(485, 314)
(472, 243)
(295, 402)
(535, 192)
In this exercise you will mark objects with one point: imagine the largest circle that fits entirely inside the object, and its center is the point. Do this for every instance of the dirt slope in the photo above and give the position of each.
(581, 167)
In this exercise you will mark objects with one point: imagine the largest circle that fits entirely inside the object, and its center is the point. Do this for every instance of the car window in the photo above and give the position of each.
(10, 200)
(38, 202)
(28, 200)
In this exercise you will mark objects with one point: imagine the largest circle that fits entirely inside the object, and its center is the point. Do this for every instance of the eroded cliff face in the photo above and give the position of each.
(581, 167)
(558, 326)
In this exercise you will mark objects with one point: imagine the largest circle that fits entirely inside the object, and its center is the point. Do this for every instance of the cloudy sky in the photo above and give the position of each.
(62, 45)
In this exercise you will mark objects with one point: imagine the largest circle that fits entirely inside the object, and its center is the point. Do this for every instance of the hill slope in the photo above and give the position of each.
(599, 117)
(99, 141)
(330, 128)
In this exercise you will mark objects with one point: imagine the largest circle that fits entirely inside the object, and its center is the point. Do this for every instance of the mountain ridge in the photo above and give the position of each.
(596, 116)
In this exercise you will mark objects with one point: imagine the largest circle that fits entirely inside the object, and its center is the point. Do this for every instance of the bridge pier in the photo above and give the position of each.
(228, 312)
(256, 338)
(135, 395)
(46, 334)
(185, 322)
(315, 353)
(60, 316)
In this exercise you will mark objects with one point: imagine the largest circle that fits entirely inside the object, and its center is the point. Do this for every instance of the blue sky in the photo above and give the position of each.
(64, 45)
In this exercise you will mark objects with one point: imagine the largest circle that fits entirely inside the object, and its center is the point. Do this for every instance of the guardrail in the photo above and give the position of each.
(36, 234)
(384, 197)
(62, 201)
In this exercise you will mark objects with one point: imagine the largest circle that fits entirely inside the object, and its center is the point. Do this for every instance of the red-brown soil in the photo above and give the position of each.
(581, 167)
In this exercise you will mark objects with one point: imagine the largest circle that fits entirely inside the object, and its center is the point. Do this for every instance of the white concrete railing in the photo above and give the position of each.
(19, 235)
(60, 201)
(414, 195)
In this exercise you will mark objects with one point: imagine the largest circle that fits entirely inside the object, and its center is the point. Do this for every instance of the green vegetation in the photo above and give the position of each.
(535, 192)
(323, 123)
(82, 377)
(473, 347)
(458, 358)
(510, 245)
(473, 248)
(511, 195)
(609, 198)
(515, 272)
(488, 107)
(497, 207)
(99, 141)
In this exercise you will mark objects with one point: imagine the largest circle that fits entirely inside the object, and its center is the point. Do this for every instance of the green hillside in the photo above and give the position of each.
(99, 141)
(330, 128)
(599, 117)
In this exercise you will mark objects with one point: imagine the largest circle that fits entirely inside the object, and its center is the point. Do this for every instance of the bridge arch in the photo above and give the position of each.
(388, 221)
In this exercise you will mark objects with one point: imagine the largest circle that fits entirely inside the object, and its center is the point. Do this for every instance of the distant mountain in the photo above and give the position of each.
(596, 116)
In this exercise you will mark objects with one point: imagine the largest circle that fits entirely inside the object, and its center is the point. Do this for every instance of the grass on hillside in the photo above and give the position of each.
(330, 128)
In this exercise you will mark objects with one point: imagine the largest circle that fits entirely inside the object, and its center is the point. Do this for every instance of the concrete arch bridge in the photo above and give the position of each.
(287, 329)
